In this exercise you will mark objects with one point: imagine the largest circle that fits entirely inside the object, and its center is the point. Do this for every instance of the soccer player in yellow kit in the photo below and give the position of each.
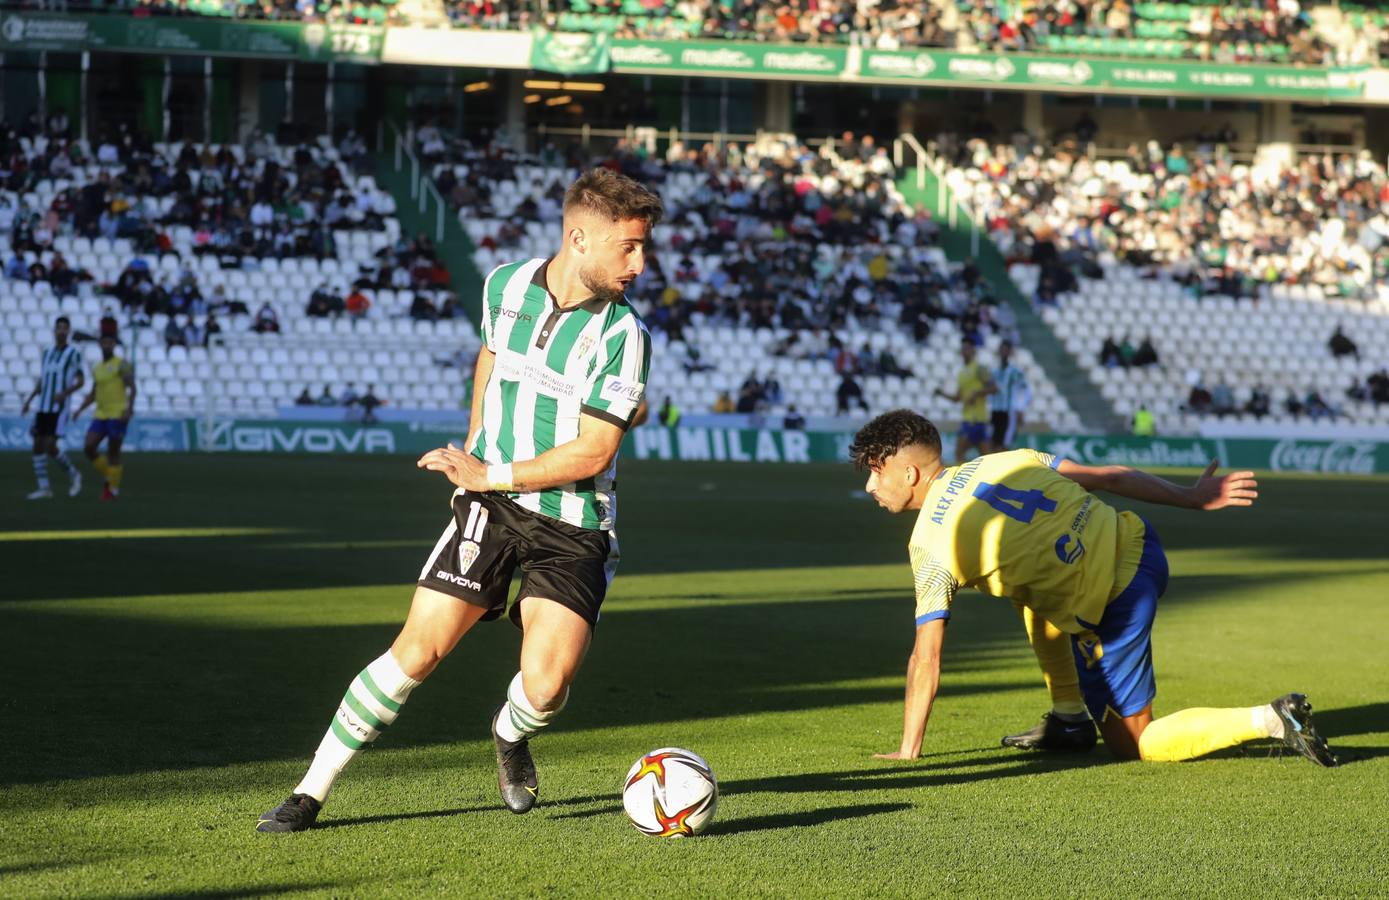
(113, 391)
(1024, 525)
(974, 384)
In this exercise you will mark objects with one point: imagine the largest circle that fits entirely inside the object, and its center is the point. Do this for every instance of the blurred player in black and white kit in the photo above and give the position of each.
(60, 376)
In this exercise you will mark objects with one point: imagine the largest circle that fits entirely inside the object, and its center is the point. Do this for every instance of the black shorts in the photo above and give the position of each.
(490, 537)
(1005, 426)
(48, 425)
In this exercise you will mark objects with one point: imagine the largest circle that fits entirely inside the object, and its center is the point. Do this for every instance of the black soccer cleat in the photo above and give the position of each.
(515, 771)
(298, 813)
(1298, 731)
(1055, 734)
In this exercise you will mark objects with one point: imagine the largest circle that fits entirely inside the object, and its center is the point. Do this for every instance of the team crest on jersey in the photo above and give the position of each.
(467, 555)
(584, 345)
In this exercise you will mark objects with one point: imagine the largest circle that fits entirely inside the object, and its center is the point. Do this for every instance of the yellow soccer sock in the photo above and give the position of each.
(102, 466)
(1195, 732)
(114, 476)
(1054, 655)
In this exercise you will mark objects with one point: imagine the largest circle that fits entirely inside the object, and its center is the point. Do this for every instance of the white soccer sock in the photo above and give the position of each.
(41, 471)
(1266, 718)
(372, 702)
(519, 720)
(66, 463)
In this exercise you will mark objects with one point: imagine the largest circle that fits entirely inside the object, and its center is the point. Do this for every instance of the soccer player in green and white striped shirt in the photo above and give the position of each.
(1009, 398)
(560, 378)
(60, 376)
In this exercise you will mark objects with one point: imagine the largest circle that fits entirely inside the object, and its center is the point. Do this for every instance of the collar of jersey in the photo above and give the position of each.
(592, 304)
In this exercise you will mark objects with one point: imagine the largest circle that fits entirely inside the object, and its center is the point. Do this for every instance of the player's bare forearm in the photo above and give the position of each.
(482, 373)
(1210, 491)
(923, 680)
(569, 462)
(584, 457)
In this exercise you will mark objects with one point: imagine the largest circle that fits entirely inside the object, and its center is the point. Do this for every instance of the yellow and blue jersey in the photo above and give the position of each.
(1009, 525)
(972, 378)
(111, 398)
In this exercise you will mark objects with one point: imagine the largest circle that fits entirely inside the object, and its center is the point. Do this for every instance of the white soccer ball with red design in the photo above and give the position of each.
(670, 793)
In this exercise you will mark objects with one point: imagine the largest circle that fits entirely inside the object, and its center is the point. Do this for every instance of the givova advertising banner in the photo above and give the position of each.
(705, 444)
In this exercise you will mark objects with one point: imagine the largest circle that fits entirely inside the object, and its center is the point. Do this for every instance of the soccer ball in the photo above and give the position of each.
(670, 792)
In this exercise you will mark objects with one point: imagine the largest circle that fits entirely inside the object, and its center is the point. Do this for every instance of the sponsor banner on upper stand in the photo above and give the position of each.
(207, 37)
(570, 53)
(1117, 75)
(729, 58)
(143, 434)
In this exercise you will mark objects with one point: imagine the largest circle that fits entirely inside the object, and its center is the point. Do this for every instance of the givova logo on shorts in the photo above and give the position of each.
(469, 548)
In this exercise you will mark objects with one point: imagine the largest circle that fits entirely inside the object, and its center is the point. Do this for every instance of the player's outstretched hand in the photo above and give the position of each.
(459, 466)
(1213, 491)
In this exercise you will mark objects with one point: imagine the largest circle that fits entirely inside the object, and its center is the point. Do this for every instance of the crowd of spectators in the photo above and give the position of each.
(360, 407)
(1193, 215)
(779, 235)
(261, 202)
(1230, 32)
(409, 265)
(1221, 400)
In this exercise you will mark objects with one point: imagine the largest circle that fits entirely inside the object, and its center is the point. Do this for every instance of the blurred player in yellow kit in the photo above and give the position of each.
(1024, 525)
(113, 391)
(973, 385)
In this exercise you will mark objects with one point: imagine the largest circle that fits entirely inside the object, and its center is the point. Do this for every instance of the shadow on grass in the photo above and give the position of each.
(801, 819)
(366, 512)
(1349, 721)
(265, 890)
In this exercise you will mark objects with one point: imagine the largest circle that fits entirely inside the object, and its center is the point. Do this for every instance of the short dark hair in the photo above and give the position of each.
(889, 433)
(613, 196)
(62, 320)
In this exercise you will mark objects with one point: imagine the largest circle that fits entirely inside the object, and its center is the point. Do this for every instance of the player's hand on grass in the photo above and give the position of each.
(1213, 491)
(458, 466)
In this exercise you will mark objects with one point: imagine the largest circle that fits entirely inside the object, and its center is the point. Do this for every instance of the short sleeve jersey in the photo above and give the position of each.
(1009, 525)
(972, 378)
(552, 365)
(111, 398)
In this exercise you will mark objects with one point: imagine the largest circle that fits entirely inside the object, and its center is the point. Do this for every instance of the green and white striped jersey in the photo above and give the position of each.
(553, 364)
(1013, 391)
(57, 370)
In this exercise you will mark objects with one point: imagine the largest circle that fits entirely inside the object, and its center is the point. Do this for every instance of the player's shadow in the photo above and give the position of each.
(781, 821)
(1348, 721)
(260, 890)
(988, 766)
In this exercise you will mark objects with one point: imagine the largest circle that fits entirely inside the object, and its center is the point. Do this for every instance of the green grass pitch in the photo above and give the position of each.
(170, 662)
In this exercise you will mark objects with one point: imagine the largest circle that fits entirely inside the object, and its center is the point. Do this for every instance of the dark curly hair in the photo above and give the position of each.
(613, 196)
(890, 432)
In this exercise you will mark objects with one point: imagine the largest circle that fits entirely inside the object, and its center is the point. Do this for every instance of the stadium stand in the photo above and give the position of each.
(1275, 31)
(775, 261)
(1236, 273)
(141, 259)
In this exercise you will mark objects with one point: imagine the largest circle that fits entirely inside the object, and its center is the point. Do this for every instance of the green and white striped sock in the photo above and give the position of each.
(519, 719)
(372, 702)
